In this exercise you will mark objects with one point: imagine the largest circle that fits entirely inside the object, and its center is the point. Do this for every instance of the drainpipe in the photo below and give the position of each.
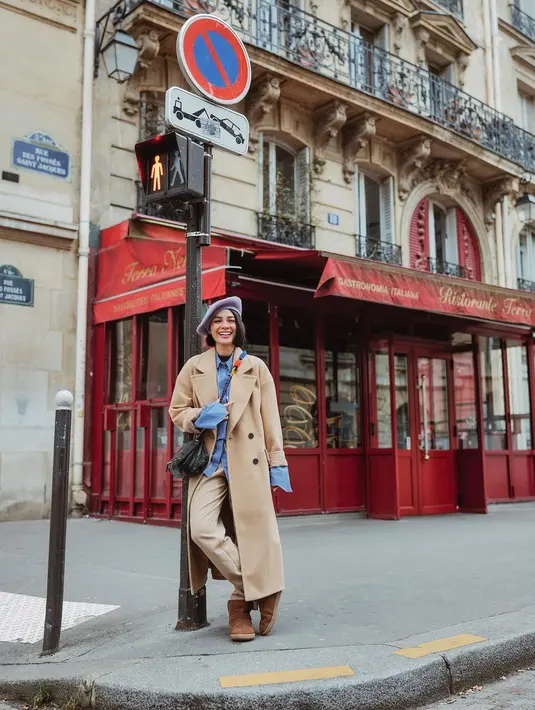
(79, 497)
(503, 240)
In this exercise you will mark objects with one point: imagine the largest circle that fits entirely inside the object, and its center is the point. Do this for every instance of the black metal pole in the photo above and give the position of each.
(58, 523)
(192, 607)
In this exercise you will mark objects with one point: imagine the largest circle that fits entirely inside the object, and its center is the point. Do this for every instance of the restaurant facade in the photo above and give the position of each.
(401, 392)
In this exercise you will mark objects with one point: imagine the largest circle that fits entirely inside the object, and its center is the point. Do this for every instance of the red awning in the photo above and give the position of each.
(398, 286)
(142, 269)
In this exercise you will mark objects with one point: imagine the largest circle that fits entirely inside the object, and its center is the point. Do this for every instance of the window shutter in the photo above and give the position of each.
(382, 38)
(419, 236)
(387, 211)
(468, 247)
(303, 184)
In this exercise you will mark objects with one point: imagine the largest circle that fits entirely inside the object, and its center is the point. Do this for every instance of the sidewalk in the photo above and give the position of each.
(358, 591)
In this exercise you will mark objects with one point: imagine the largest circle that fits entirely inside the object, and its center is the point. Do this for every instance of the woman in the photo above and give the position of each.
(232, 524)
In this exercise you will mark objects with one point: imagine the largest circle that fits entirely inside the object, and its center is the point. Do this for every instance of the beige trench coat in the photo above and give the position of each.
(254, 443)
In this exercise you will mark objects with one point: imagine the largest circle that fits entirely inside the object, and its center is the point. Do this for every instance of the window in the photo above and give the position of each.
(465, 400)
(375, 207)
(527, 111)
(366, 65)
(298, 390)
(342, 387)
(121, 361)
(493, 386)
(526, 260)
(517, 366)
(285, 182)
(443, 251)
(256, 319)
(153, 380)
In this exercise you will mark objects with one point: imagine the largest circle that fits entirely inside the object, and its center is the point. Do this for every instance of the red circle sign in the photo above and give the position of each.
(214, 59)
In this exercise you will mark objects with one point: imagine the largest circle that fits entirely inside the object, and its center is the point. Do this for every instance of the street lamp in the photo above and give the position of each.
(525, 205)
(120, 56)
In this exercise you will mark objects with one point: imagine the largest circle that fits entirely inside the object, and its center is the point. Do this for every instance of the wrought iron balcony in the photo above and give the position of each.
(286, 231)
(439, 266)
(453, 6)
(368, 248)
(320, 47)
(523, 22)
(526, 285)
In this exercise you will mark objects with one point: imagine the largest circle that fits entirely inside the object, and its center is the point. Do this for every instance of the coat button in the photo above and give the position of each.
(251, 436)
(255, 461)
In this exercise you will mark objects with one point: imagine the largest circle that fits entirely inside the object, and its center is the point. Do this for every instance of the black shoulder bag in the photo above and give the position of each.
(192, 458)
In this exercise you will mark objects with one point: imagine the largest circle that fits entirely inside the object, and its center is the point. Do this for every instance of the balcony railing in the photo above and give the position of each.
(526, 285)
(368, 248)
(453, 6)
(286, 231)
(439, 266)
(320, 47)
(523, 22)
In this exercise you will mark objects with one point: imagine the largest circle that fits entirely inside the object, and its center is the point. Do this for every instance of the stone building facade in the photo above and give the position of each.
(40, 94)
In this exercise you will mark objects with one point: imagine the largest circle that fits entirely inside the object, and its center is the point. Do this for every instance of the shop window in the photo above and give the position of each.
(298, 390)
(519, 395)
(375, 209)
(401, 365)
(494, 419)
(526, 260)
(434, 405)
(342, 389)
(120, 358)
(465, 400)
(285, 182)
(153, 375)
(256, 319)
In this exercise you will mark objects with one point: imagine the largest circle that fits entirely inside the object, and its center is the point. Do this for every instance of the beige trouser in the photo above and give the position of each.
(208, 532)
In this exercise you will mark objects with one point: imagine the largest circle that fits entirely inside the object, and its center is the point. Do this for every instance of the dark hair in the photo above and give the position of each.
(239, 337)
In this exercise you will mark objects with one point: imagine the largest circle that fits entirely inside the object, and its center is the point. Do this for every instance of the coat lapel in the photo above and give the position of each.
(241, 389)
(204, 380)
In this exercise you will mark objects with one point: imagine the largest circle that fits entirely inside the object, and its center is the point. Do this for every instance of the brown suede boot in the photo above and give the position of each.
(241, 627)
(269, 607)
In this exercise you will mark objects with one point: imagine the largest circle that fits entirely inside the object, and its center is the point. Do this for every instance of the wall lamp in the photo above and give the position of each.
(525, 205)
(120, 53)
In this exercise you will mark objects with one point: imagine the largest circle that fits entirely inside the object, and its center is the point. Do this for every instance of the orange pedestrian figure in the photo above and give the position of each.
(156, 174)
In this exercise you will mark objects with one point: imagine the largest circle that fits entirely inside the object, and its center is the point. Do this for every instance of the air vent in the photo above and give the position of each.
(10, 177)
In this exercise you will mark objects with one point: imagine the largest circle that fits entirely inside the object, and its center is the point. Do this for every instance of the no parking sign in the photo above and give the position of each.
(214, 59)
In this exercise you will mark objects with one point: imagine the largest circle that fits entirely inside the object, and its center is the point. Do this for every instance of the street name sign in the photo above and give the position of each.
(214, 59)
(202, 119)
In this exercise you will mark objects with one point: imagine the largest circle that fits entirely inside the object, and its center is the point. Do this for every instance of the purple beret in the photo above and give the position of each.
(232, 303)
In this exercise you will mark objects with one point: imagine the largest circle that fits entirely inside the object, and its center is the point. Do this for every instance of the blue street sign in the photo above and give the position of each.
(14, 290)
(39, 152)
(333, 218)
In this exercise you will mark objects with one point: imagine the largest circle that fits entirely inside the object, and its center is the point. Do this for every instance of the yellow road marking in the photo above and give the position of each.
(446, 644)
(243, 681)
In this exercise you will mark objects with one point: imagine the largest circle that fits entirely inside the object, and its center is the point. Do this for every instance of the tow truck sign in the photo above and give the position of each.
(202, 119)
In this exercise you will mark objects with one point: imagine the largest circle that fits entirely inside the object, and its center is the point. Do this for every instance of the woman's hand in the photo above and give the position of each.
(274, 489)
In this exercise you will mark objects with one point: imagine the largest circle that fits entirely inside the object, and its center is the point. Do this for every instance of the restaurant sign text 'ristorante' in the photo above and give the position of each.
(410, 289)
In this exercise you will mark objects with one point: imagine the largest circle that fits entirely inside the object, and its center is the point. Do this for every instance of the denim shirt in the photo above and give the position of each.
(213, 415)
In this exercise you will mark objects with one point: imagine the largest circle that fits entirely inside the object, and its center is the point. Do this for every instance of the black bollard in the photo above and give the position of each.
(58, 523)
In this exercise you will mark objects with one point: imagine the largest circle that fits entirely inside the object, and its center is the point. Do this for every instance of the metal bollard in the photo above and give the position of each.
(58, 522)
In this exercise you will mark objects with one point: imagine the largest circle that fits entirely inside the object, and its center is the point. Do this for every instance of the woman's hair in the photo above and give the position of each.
(239, 337)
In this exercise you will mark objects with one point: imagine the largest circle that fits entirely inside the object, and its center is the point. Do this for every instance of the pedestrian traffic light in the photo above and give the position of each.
(171, 165)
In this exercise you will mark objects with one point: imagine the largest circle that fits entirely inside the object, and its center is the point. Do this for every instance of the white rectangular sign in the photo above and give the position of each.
(202, 119)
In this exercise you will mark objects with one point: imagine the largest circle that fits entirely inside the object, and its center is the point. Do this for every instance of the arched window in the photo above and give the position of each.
(443, 241)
